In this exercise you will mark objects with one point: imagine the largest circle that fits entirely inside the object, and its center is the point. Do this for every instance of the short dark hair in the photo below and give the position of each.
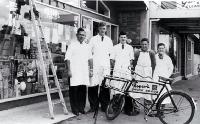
(101, 24)
(145, 39)
(122, 33)
(160, 44)
(79, 30)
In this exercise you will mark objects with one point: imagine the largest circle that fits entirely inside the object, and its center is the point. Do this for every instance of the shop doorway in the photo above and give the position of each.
(95, 28)
(114, 34)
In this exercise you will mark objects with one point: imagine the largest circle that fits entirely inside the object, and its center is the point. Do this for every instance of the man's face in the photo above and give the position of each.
(145, 45)
(122, 39)
(161, 49)
(81, 36)
(102, 30)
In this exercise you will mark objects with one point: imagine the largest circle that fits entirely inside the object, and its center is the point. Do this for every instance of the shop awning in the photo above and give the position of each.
(181, 25)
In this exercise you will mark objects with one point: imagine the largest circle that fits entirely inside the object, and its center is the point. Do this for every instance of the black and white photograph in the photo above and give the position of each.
(99, 61)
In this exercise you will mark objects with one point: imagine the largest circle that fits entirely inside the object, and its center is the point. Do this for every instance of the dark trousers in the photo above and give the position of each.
(104, 96)
(77, 97)
(128, 106)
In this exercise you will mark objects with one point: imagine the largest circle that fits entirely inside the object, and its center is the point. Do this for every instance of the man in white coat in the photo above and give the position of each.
(123, 56)
(78, 57)
(101, 47)
(164, 67)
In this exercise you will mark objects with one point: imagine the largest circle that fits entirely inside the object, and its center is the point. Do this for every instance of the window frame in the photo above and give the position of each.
(96, 11)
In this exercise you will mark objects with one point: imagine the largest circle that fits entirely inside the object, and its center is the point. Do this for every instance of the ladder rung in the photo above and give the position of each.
(57, 102)
(54, 89)
(49, 76)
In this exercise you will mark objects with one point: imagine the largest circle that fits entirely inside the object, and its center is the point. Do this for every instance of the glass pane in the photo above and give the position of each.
(87, 25)
(4, 13)
(89, 4)
(102, 9)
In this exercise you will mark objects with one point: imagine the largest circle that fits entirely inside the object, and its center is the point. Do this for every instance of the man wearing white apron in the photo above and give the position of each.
(144, 65)
(123, 57)
(164, 67)
(78, 57)
(101, 47)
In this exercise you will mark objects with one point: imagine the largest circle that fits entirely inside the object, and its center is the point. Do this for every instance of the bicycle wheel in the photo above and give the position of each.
(181, 112)
(115, 106)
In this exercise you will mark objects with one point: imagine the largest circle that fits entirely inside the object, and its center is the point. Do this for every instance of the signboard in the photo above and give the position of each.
(189, 4)
(71, 2)
(144, 87)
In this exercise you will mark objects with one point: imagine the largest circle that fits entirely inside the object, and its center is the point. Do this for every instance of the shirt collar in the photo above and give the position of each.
(81, 43)
(101, 36)
(144, 51)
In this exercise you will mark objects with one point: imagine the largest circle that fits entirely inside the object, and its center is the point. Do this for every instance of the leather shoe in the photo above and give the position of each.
(132, 113)
(76, 113)
(90, 111)
(82, 112)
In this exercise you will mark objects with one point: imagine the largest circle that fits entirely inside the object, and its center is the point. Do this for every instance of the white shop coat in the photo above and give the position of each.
(78, 54)
(164, 67)
(122, 59)
(101, 51)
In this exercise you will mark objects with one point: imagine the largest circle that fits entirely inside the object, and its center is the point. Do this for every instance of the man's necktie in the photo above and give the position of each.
(122, 46)
(102, 38)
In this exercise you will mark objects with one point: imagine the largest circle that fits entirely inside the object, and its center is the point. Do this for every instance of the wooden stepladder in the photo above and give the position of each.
(43, 50)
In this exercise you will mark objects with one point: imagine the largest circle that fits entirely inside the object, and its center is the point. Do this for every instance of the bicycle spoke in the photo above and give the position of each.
(180, 101)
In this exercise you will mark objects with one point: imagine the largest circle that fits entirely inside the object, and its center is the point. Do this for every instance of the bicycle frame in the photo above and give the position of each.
(128, 83)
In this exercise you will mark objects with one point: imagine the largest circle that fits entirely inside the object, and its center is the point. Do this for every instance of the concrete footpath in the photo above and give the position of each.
(192, 87)
(33, 114)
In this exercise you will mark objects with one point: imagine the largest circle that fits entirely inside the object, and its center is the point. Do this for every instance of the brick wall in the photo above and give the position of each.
(130, 23)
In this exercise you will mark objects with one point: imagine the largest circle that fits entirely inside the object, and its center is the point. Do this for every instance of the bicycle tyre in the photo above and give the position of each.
(162, 113)
(117, 102)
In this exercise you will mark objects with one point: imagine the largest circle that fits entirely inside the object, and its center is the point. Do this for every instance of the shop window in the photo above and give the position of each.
(89, 4)
(4, 13)
(103, 9)
(59, 26)
(87, 25)
(21, 75)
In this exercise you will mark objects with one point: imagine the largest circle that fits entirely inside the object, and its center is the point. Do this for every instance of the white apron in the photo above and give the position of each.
(143, 68)
(164, 68)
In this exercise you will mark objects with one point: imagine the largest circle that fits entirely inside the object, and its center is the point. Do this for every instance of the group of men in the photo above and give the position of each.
(88, 63)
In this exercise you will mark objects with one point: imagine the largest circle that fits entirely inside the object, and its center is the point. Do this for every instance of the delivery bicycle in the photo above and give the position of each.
(180, 109)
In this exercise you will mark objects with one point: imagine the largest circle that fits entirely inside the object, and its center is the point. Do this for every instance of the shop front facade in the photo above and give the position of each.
(177, 27)
(21, 81)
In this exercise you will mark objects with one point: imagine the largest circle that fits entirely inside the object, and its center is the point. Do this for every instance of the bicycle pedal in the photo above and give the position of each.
(145, 118)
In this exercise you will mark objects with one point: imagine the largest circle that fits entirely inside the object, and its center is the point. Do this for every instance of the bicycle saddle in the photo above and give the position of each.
(165, 79)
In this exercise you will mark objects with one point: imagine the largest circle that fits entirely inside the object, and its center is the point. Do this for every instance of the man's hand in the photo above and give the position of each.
(69, 73)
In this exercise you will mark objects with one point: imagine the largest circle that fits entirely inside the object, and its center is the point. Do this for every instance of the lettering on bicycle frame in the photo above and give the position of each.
(145, 87)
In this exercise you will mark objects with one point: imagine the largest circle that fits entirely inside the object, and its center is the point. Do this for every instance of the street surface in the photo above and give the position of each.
(192, 87)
